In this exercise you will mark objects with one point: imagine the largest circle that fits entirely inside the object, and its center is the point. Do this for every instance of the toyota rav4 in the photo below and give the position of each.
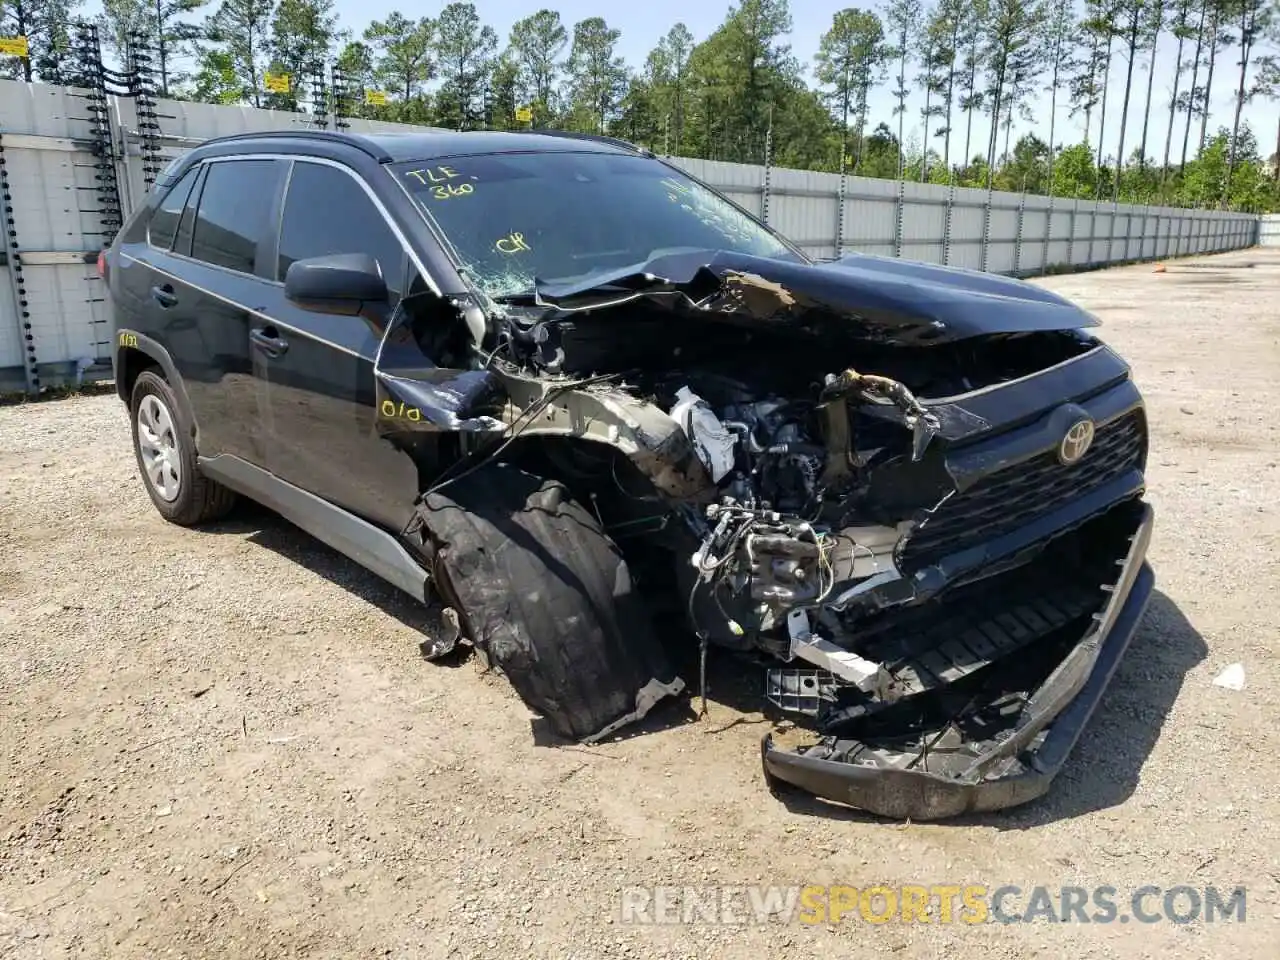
(573, 392)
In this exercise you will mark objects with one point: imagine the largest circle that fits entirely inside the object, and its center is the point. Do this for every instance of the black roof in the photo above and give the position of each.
(433, 143)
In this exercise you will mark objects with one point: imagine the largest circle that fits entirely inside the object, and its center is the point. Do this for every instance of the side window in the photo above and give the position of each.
(236, 205)
(182, 245)
(164, 222)
(327, 212)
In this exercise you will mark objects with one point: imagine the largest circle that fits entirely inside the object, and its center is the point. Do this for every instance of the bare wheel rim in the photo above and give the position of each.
(158, 448)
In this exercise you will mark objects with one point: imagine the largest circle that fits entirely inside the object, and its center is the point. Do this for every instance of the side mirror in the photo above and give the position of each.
(345, 283)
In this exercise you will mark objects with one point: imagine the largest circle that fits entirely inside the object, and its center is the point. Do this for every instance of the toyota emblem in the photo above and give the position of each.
(1076, 443)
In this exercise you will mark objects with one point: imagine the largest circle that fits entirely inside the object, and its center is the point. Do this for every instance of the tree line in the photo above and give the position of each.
(740, 93)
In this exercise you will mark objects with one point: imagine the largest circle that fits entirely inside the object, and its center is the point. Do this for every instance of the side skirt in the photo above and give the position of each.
(372, 548)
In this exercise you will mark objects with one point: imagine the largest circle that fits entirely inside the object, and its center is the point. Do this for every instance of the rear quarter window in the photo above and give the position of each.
(164, 221)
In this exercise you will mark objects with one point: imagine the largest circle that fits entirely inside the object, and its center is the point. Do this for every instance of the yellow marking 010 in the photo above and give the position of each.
(391, 411)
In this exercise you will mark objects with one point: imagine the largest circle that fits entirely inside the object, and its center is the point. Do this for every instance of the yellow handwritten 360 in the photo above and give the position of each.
(445, 191)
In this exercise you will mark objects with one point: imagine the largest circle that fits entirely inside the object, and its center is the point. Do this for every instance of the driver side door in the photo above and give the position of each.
(318, 414)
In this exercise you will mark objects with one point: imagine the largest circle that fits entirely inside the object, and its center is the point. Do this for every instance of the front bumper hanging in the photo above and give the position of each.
(1060, 707)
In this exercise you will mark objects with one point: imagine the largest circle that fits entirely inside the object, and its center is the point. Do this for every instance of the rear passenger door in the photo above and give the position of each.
(191, 278)
(216, 275)
(318, 412)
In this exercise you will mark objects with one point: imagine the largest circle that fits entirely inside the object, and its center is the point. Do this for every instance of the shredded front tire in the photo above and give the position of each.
(548, 598)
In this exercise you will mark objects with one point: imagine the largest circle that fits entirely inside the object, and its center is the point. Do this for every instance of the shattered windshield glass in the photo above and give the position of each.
(563, 217)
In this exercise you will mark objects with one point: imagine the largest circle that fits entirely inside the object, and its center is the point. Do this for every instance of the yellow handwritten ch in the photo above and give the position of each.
(512, 243)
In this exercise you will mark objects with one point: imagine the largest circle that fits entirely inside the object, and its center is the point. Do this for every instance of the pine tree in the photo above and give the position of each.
(160, 20)
(1100, 24)
(902, 22)
(668, 77)
(1253, 18)
(536, 45)
(1061, 50)
(1153, 27)
(44, 24)
(302, 36)
(1217, 37)
(597, 76)
(972, 98)
(944, 30)
(850, 62)
(504, 88)
(465, 50)
(239, 28)
(1182, 32)
(401, 50)
(1130, 17)
(1011, 54)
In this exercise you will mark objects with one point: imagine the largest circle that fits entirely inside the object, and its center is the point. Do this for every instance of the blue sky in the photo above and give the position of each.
(643, 23)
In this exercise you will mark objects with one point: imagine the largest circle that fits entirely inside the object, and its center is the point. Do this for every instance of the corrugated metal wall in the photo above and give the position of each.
(1269, 230)
(55, 326)
(999, 232)
(52, 312)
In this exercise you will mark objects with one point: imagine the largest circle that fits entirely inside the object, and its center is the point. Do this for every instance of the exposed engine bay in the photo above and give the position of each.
(901, 531)
(801, 514)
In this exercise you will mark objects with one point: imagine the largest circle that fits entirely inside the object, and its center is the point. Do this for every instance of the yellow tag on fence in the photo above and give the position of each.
(14, 47)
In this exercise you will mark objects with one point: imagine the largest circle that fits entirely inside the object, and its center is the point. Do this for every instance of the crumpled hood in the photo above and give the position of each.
(885, 299)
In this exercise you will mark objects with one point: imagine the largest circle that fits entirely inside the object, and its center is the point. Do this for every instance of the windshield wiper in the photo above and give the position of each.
(527, 297)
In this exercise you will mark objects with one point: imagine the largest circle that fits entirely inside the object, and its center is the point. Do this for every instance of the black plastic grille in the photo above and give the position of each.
(1008, 499)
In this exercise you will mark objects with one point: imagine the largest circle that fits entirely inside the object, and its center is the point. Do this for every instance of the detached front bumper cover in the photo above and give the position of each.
(1063, 704)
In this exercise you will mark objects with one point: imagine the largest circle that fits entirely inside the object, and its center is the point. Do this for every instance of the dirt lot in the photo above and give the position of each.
(224, 743)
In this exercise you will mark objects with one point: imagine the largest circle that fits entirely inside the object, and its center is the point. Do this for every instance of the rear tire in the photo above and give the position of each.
(547, 597)
(166, 456)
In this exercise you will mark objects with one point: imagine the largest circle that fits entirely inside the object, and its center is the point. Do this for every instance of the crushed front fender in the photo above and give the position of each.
(1023, 764)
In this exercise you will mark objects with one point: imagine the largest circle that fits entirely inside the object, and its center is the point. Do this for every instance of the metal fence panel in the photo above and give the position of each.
(12, 356)
(871, 216)
(1269, 231)
(968, 228)
(70, 318)
(923, 222)
(52, 310)
(740, 182)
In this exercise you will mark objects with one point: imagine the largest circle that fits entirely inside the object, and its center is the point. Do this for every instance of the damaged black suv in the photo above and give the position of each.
(576, 392)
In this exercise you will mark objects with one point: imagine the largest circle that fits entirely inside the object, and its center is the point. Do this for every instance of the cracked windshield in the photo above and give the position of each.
(564, 217)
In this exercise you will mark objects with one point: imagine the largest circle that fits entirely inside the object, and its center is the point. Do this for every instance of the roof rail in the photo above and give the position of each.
(330, 136)
(593, 137)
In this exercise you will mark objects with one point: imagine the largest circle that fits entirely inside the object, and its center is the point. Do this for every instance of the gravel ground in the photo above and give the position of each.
(224, 743)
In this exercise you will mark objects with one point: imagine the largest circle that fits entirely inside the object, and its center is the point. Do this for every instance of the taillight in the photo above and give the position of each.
(102, 264)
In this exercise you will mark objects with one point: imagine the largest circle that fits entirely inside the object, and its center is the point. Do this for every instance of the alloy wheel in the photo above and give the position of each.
(158, 448)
